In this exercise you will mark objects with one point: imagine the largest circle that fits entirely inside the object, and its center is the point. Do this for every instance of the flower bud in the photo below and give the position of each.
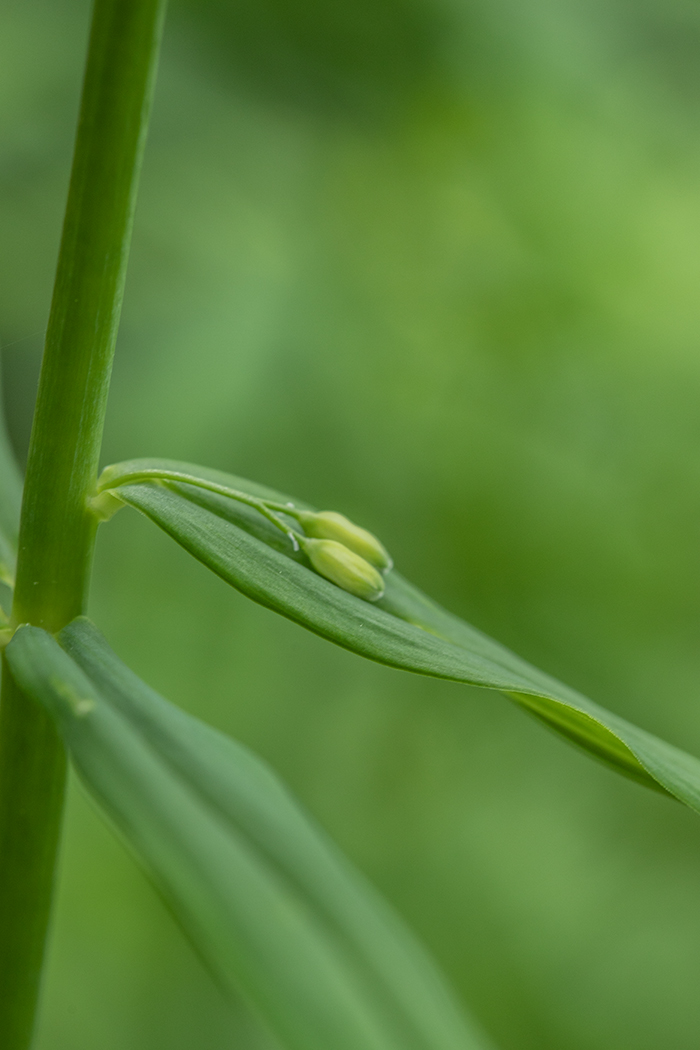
(344, 568)
(327, 525)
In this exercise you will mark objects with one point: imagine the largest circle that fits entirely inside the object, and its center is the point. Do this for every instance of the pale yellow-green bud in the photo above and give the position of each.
(344, 568)
(328, 525)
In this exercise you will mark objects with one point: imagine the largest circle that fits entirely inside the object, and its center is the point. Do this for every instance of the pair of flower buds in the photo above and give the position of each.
(348, 556)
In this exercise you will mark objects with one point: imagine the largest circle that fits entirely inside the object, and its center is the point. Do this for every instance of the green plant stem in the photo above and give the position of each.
(57, 531)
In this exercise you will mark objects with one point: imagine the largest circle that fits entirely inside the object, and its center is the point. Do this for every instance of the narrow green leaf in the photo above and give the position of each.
(270, 903)
(10, 502)
(404, 629)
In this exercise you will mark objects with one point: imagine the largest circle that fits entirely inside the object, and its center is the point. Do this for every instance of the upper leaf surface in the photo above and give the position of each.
(270, 903)
(404, 629)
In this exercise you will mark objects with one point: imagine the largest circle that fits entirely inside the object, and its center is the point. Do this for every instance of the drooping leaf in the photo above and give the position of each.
(10, 501)
(272, 906)
(404, 629)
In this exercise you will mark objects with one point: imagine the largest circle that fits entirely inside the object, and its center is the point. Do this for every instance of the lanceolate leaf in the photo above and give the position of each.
(405, 629)
(269, 902)
(10, 500)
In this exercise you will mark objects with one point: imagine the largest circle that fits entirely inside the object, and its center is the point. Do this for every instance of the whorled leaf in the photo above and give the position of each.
(270, 903)
(404, 629)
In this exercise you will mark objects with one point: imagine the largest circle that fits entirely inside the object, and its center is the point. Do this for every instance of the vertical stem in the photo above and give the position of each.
(57, 531)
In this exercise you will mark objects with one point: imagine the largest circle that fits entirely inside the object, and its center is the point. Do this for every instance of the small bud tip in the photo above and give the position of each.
(345, 568)
(329, 525)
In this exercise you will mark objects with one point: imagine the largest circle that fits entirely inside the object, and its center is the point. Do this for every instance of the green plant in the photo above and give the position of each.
(264, 897)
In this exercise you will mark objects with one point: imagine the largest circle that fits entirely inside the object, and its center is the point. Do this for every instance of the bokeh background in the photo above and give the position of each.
(435, 264)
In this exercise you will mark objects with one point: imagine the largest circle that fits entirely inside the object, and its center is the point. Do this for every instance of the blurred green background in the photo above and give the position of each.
(434, 264)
